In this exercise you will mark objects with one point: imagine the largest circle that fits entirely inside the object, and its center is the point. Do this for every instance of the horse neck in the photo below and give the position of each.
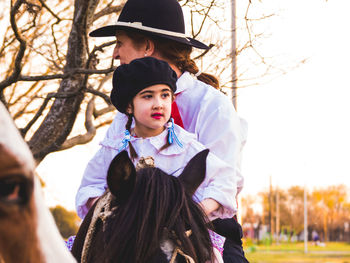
(50, 241)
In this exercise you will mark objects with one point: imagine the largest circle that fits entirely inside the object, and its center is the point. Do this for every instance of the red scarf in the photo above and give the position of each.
(176, 114)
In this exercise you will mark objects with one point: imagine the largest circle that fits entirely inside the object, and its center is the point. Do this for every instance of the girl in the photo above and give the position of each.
(143, 90)
(156, 28)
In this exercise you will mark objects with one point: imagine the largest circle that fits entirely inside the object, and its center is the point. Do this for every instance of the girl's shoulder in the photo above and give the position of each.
(113, 138)
(191, 146)
(184, 142)
(189, 140)
(184, 135)
(117, 126)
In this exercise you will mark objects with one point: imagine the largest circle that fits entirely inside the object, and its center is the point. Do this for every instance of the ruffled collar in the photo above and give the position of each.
(160, 140)
(156, 141)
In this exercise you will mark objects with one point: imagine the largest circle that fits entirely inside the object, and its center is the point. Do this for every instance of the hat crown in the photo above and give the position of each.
(160, 14)
(158, 18)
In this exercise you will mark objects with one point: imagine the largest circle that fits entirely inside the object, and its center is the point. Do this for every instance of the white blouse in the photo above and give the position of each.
(219, 184)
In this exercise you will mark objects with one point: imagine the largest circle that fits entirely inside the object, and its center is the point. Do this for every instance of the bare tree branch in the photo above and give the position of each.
(90, 129)
(100, 94)
(107, 122)
(22, 47)
(101, 112)
(43, 106)
(204, 52)
(109, 10)
(23, 108)
(66, 75)
(203, 20)
(49, 9)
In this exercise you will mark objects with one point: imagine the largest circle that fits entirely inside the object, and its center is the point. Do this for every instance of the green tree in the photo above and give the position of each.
(66, 221)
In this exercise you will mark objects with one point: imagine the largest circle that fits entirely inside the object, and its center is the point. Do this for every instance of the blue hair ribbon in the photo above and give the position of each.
(172, 136)
(125, 141)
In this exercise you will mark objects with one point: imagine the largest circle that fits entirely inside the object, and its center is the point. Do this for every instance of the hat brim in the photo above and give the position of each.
(110, 31)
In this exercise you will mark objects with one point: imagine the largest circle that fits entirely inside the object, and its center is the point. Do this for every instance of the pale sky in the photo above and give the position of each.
(298, 123)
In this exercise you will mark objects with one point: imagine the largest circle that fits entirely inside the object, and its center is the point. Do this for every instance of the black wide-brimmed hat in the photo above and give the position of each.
(130, 79)
(162, 18)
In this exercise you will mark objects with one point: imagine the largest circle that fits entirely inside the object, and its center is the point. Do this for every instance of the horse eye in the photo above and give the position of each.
(15, 189)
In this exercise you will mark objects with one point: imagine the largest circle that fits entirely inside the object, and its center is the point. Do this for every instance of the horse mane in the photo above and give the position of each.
(158, 202)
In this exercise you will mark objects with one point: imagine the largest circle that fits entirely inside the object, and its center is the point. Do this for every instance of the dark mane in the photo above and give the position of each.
(158, 201)
(141, 212)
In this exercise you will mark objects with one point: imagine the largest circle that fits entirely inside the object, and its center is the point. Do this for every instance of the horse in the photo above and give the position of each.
(28, 232)
(146, 216)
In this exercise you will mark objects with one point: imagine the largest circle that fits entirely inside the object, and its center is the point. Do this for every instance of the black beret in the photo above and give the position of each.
(130, 79)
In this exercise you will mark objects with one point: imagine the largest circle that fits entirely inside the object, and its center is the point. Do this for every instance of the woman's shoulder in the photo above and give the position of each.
(206, 94)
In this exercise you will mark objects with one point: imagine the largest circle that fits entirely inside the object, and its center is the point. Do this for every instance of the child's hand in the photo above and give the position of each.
(209, 205)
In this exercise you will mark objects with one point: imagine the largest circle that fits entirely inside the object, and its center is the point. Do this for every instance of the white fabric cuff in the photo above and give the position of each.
(83, 196)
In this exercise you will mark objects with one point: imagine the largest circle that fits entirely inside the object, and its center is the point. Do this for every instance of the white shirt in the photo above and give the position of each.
(219, 184)
(206, 112)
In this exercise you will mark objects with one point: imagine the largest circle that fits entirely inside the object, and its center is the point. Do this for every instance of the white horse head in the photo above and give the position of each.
(28, 232)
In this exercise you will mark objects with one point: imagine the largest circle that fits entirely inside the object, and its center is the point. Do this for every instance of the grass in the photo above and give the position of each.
(332, 252)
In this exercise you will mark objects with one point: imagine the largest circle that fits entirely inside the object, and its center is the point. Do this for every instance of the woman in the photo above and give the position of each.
(156, 28)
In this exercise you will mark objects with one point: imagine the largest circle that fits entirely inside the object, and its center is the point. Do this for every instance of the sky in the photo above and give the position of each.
(298, 122)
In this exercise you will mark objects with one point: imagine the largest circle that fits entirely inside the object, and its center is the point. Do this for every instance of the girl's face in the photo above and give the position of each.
(151, 109)
(125, 50)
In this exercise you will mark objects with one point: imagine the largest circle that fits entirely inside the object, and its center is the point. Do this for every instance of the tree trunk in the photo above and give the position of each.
(59, 122)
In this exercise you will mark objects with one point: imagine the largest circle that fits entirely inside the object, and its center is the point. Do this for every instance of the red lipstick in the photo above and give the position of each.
(156, 115)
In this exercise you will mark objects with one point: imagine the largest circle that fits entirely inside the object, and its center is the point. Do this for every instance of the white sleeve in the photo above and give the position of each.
(219, 129)
(93, 183)
(220, 185)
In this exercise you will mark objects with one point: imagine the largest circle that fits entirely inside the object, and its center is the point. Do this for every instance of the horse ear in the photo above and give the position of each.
(194, 173)
(121, 176)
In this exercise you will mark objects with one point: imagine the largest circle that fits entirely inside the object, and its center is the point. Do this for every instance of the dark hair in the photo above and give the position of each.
(164, 203)
(175, 53)
(133, 153)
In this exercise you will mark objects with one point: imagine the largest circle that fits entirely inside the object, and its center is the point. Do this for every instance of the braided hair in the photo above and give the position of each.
(133, 153)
